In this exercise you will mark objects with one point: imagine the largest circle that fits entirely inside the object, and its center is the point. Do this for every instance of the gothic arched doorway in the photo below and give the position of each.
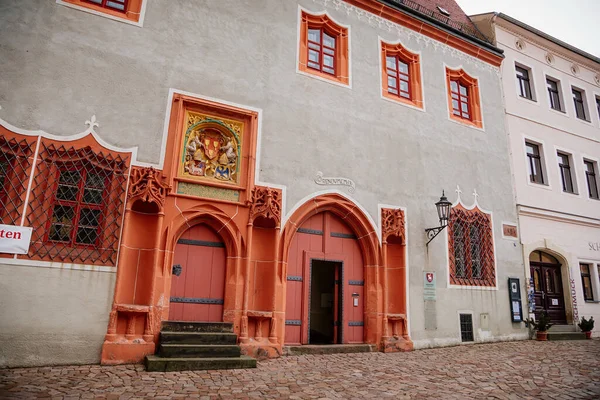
(197, 293)
(548, 286)
(325, 296)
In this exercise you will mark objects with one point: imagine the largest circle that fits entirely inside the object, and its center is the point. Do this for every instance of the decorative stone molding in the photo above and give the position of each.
(392, 224)
(520, 44)
(574, 69)
(265, 202)
(147, 186)
(549, 58)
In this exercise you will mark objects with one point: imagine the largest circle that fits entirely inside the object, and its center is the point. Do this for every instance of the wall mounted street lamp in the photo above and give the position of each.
(443, 209)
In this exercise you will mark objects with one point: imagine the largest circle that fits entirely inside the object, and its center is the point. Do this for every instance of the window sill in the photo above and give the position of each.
(544, 186)
(527, 98)
(404, 102)
(465, 122)
(593, 301)
(571, 193)
(322, 77)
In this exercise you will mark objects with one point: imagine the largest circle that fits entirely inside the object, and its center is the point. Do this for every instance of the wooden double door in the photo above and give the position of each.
(325, 294)
(548, 288)
(198, 279)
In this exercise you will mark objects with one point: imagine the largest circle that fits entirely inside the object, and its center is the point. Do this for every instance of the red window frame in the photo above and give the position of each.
(77, 206)
(106, 4)
(322, 50)
(398, 76)
(462, 99)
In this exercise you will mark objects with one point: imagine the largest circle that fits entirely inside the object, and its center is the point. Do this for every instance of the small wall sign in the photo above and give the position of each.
(328, 181)
(14, 239)
(429, 286)
(510, 231)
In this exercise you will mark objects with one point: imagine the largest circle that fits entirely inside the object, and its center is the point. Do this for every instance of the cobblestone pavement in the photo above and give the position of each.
(517, 370)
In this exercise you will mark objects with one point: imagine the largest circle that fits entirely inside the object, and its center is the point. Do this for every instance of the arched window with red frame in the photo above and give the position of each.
(471, 247)
(401, 75)
(464, 103)
(324, 50)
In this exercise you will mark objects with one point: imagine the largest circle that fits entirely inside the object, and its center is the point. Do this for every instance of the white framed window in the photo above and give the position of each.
(555, 96)
(524, 80)
(535, 162)
(566, 171)
(580, 103)
(591, 178)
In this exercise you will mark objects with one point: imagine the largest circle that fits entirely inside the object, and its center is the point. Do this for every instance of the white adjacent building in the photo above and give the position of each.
(552, 98)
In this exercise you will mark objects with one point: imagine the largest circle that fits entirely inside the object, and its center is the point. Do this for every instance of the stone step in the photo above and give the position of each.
(328, 349)
(198, 350)
(563, 328)
(566, 336)
(160, 364)
(198, 338)
(198, 327)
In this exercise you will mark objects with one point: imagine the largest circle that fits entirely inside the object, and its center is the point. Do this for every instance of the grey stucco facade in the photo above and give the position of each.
(59, 66)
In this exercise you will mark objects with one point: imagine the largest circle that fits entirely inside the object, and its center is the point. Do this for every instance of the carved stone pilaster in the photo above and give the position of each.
(265, 202)
(147, 185)
(393, 224)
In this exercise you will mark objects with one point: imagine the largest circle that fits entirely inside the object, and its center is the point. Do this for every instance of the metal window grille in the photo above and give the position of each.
(76, 203)
(16, 156)
(471, 248)
(466, 327)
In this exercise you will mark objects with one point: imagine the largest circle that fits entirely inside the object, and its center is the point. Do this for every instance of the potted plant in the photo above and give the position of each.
(586, 325)
(541, 326)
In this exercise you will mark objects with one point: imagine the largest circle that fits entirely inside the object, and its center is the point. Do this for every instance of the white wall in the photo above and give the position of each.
(52, 316)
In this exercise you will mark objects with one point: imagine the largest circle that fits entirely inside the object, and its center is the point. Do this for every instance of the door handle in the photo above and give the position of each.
(543, 295)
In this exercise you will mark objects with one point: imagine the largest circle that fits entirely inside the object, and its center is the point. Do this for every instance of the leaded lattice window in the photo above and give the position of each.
(77, 200)
(15, 164)
(471, 248)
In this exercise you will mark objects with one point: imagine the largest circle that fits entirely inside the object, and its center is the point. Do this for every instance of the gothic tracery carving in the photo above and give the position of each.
(147, 185)
(392, 223)
(265, 202)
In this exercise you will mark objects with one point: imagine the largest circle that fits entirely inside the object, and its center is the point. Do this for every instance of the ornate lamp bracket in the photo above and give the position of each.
(443, 209)
(432, 233)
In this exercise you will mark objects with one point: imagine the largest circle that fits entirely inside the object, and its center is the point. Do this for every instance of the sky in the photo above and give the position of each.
(576, 22)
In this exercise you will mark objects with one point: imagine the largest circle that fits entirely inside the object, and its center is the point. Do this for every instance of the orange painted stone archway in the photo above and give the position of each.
(366, 237)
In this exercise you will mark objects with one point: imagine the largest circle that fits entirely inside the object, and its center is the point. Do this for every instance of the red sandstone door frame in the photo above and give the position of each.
(307, 258)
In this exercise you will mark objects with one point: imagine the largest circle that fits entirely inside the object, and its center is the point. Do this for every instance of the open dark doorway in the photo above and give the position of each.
(325, 302)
